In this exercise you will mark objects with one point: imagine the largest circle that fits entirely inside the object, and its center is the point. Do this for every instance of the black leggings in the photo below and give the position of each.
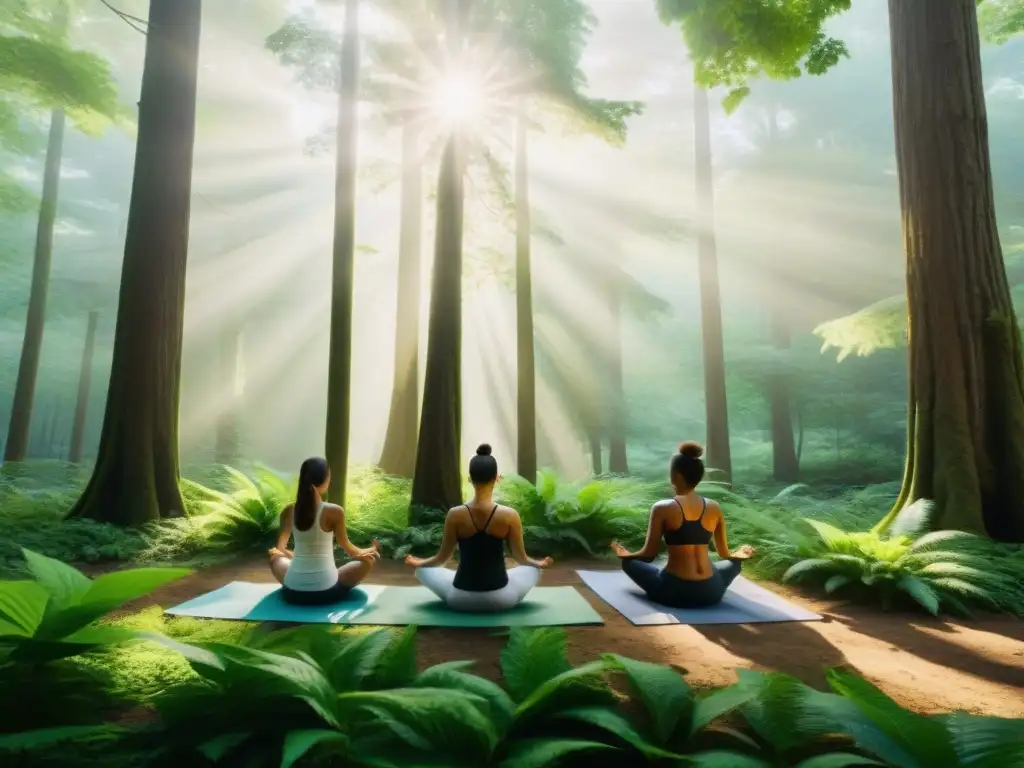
(666, 589)
(328, 596)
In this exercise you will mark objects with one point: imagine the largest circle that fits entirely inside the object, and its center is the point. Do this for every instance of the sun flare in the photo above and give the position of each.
(458, 98)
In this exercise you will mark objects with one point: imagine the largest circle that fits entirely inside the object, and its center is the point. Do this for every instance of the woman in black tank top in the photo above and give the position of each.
(479, 530)
(687, 470)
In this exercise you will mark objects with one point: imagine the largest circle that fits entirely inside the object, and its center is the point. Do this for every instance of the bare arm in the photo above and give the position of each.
(341, 535)
(650, 548)
(449, 539)
(517, 546)
(722, 543)
(286, 529)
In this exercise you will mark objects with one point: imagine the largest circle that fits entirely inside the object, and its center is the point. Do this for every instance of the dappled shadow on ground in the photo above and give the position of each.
(940, 667)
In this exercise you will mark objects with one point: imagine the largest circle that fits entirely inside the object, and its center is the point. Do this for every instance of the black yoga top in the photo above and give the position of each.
(691, 531)
(481, 560)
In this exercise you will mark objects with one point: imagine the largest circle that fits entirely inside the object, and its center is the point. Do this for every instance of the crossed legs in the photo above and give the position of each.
(351, 574)
(440, 581)
(666, 589)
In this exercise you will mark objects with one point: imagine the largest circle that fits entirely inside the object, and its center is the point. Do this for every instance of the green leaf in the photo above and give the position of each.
(804, 567)
(531, 658)
(721, 702)
(580, 686)
(38, 650)
(396, 664)
(987, 742)
(22, 605)
(666, 695)
(542, 753)
(723, 759)
(618, 726)
(925, 738)
(298, 743)
(835, 582)
(357, 658)
(64, 584)
(219, 746)
(45, 738)
(450, 675)
(837, 760)
(920, 591)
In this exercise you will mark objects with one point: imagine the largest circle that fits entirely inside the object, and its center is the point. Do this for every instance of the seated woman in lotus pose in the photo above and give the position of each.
(309, 576)
(480, 529)
(688, 522)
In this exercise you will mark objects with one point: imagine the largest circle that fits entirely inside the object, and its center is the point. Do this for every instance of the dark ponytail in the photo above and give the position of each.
(312, 474)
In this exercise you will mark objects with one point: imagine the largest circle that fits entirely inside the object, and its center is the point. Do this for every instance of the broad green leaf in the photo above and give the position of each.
(542, 753)
(298, 743)
(356, 659)
(720, 702)
(200, 658)
(925, 738)
(440, 716)
(396, 665)
(807, 566)
(44, 738)
(724, 759)
(531, 658)
(920, 591)
(39, 650)
(219, 746)
(22, 605)
(580, 686)
(618, 726)
(833, 537)
(986, 742)
(64, 584)
(837, 760)
(835, 582)
(450, 675)
(666, 695)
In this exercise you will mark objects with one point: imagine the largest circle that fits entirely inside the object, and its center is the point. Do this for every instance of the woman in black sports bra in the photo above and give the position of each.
(479, 530)
(688, 523)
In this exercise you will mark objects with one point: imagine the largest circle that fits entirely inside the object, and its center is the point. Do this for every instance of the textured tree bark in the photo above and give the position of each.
(617, 461)
(339, 364)
(785, 465)
(526, 412)
(398, 457)
(716, 404)
(437, 482)
(965, 424)
(84, 385)
(135, 479)
(28, 367)
(229, 351)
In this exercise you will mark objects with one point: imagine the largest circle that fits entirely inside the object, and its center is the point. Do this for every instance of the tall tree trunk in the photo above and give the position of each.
(229, 351)
(594, 439)
(28, 367)
(785, 463)
(617, 462)
(339, 365)
(437, 482)
(965, 447)
(84, 385)
(135, 479)
(399, 455)
(716, 404)
(526, 412)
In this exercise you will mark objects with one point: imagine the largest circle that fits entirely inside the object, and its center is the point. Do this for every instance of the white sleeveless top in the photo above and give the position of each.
(313, 568)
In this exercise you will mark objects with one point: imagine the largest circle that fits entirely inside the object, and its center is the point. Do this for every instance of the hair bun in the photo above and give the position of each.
(691, 449)
(483, 450)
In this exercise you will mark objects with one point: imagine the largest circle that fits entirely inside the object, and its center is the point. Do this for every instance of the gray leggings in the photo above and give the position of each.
(666, 589)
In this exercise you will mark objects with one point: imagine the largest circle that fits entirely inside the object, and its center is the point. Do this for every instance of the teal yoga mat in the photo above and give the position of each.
(392, 606)
(744, 603)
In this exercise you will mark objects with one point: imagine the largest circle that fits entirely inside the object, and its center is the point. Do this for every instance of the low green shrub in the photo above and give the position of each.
(330, 696)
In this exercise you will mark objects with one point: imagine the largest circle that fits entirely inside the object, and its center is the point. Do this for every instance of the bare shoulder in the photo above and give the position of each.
(713, 509)
(507, 513)
(661, 506)
(455, 512)
(335, 511)
(287, 510)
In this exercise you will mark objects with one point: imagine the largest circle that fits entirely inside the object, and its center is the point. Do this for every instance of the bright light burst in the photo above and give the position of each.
(458, 98)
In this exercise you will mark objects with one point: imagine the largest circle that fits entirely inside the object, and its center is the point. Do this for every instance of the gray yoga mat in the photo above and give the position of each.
(744, 603)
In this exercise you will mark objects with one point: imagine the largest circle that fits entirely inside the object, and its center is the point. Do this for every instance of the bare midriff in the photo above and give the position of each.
(690, 562)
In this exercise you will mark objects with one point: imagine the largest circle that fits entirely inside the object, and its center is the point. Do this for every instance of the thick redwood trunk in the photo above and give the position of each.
(398, 457)
(339, 364)
(28, 367)
(966, 419)
(437, 483)
(716, 404)
(229, 353)
(135, 479)
(785, 465)
(84, 386)
(526, 412)
(617, 461)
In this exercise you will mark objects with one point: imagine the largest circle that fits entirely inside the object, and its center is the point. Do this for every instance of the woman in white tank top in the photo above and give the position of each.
(309, 575)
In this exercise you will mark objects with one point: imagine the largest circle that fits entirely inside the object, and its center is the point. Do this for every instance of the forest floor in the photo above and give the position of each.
(927, 665)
